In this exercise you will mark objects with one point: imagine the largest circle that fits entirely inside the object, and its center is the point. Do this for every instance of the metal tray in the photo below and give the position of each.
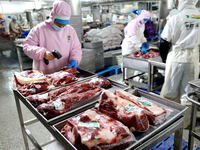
(76, 108)
(195, 84)
(176, 113)
(82, 75)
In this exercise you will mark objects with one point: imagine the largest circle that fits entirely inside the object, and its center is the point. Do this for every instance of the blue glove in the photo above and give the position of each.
(145, 44)
(144, 47)
(143, 50)
(73, 64)
(136, 11)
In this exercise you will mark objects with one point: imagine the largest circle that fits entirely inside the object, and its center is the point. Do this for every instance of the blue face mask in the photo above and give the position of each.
(55, 27)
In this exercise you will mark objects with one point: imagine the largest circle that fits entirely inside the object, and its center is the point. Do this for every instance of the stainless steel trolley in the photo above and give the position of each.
(194, 98)
(48, 123)
(174, 122)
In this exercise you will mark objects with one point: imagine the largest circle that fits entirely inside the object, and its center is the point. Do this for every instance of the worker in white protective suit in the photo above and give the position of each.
(134, 38)
(134, 34)
(172, 13)
(183, 31)
(7, 22)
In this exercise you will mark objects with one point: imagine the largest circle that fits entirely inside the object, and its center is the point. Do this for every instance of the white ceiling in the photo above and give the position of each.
(18, 6)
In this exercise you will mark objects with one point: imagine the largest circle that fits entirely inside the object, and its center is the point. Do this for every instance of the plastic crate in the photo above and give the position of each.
(167, 144)
(110, 71)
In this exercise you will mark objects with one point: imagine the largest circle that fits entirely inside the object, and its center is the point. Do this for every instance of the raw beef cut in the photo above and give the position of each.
(62, 104)
(26, 77)
(61, 78)
(93, 130)
(149, 54)
(71, 70)
(155, 113)
(100, 82)
(33, 88)
(123, 110)
(34, 81)
(74, 88)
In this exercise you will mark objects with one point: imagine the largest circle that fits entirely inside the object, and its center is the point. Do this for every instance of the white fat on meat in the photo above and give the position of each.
(58, 75)
(40, 96)
(123, 104)
(143, 102)
(155, 112)
(26, 77)
(104, 134)
(58, 104)
(37, 75)
(94, 79)
(151, 107)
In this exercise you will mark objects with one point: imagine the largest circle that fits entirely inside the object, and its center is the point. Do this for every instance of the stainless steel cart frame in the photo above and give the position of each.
(154, 65)
(148, 141)
(48, 123)
(23, 124)
(143, 65)
(192, 133)
(22, 67)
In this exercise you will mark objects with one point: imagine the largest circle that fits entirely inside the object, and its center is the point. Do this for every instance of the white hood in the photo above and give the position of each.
(186, 4)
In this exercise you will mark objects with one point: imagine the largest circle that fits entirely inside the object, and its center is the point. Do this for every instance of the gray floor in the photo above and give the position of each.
(10, 132)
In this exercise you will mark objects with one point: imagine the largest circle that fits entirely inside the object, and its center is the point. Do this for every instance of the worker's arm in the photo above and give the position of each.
(31, 45)
(167, 31)
(75, 51)
(165, 42)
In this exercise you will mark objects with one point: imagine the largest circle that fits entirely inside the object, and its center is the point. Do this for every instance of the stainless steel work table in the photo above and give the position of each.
(174, 124)
(144, 66)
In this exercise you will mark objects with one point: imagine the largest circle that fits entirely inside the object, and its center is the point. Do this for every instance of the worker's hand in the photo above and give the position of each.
(137, 11)
(143, 50)
(144, 47)
(145, 44)
(48, 55)
(73, 64)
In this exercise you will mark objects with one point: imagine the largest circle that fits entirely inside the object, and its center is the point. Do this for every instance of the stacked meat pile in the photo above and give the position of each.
(149, 54)
(61, 100)
(101, 128)
(34, 81)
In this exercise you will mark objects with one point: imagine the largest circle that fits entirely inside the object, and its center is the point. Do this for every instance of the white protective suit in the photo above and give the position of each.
(133, 44)
(183, 30)
(134, 38)
(134, 34)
